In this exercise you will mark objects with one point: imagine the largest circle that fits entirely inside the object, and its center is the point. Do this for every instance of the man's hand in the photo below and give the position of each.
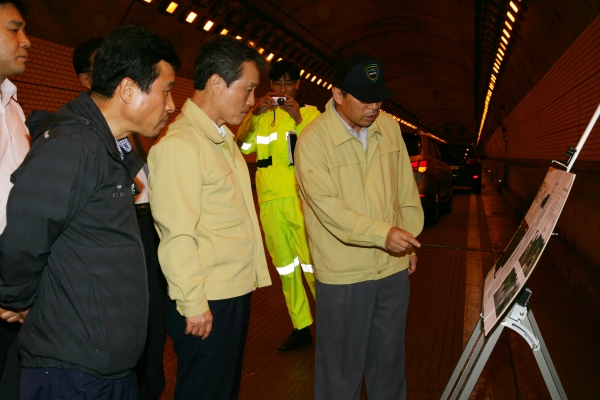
(13, 316)
(398, 240)
(263, 104)
(412, 263)
(200, 325)
(293, 108)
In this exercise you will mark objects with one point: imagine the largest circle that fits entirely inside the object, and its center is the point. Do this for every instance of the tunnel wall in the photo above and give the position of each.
(552, 117)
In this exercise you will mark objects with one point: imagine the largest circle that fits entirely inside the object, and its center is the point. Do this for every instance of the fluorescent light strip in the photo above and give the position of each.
(191, 17)
(172, 7)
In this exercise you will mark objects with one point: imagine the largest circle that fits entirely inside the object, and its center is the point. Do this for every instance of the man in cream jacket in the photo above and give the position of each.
(362, 211)
(211, 249)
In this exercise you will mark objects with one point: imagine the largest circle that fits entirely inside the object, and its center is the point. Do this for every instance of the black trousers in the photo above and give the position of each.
(149, 370)
(10, 368)
(69, 384)
(360, 332)
(211, 369)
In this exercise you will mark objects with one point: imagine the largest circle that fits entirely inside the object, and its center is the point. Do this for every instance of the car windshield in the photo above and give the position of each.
(413, 143)
(461, 152)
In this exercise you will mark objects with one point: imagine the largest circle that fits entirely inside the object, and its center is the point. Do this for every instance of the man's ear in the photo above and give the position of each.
(216, 83)
(337, 95)
(86, 80)
(126, 90)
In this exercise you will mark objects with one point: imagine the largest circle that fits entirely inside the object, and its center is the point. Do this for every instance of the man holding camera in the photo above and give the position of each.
(270, 130)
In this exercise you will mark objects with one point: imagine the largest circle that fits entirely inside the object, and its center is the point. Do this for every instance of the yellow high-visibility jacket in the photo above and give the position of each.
(275, 176)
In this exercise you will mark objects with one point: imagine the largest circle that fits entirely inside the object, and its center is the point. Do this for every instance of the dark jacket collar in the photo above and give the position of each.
(83, 110)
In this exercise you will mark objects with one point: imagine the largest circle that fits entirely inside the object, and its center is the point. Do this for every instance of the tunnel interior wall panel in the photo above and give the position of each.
(554, 114)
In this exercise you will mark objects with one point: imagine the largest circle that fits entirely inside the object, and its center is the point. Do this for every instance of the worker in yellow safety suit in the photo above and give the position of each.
(271, 130)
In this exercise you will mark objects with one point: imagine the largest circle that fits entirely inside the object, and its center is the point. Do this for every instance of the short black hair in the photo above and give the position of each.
(224, 56)
(280, 68)
(130, 52)
(21, 6)
(82, 55)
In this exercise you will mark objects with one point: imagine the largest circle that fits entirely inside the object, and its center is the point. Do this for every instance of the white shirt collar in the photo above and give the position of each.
(8, 90)
(220, 129)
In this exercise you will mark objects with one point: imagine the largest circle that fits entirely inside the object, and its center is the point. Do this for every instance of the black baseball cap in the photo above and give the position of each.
(362, 76)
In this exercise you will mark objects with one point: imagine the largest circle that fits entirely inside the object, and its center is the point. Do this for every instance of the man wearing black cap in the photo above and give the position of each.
(362, 213)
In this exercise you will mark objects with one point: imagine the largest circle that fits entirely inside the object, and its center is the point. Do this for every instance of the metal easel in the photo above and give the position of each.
(520, 319)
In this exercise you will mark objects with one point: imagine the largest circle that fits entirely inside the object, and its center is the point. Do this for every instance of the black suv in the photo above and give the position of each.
(432, 174)
(465, 164)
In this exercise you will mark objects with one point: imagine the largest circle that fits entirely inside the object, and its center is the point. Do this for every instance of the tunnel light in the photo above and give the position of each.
(503, 46)
(496, 70)
(301, 72)
(251, 43)
(191, 17)
(508, 25)
(506, 33)
(148, 1)
(504, 39)
(329, 87)
(500, 51)
(313, 78)
(279, 59)
(224, 32)
(499, 57)
(307, 75)
(497, 64)
(493, 78)
(208, 25)
(510, 16)
(261, 50)
(171, 7)
(512, 5)
(324, 84)
(238, 37)
(319, 81)
(270, 57)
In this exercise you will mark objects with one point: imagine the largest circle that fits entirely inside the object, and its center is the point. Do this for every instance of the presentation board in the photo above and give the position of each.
(513, 268)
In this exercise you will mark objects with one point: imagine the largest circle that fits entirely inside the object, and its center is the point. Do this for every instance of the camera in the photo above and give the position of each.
(278, 100)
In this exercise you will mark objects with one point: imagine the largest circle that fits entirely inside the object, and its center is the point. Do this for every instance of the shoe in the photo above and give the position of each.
(297, 339)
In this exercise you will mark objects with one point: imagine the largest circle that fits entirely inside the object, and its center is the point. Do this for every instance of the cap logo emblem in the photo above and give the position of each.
(372, 72)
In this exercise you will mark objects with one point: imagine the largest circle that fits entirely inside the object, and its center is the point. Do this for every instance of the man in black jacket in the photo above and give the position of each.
(71, 253)
(149, 370)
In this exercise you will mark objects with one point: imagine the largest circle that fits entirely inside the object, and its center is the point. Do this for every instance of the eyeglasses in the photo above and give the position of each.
(286, 83)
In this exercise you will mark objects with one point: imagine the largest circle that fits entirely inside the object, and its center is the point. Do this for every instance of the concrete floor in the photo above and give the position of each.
(439, 320)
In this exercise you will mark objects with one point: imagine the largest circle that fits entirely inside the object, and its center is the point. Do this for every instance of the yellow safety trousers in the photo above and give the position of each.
(283, 223)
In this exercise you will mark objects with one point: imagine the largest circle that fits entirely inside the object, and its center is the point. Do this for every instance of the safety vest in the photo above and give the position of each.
(269, 136)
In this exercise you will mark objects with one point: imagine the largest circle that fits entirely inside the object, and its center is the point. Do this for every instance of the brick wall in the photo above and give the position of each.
(555, 113)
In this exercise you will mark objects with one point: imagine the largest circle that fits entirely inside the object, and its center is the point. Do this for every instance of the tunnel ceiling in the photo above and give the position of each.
(438, 54)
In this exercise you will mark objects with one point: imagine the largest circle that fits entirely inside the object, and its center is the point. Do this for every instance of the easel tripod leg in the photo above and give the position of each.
(542, 356)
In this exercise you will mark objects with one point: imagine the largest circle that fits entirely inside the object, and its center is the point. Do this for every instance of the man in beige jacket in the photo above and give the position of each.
(362, 212)
(211, 249)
